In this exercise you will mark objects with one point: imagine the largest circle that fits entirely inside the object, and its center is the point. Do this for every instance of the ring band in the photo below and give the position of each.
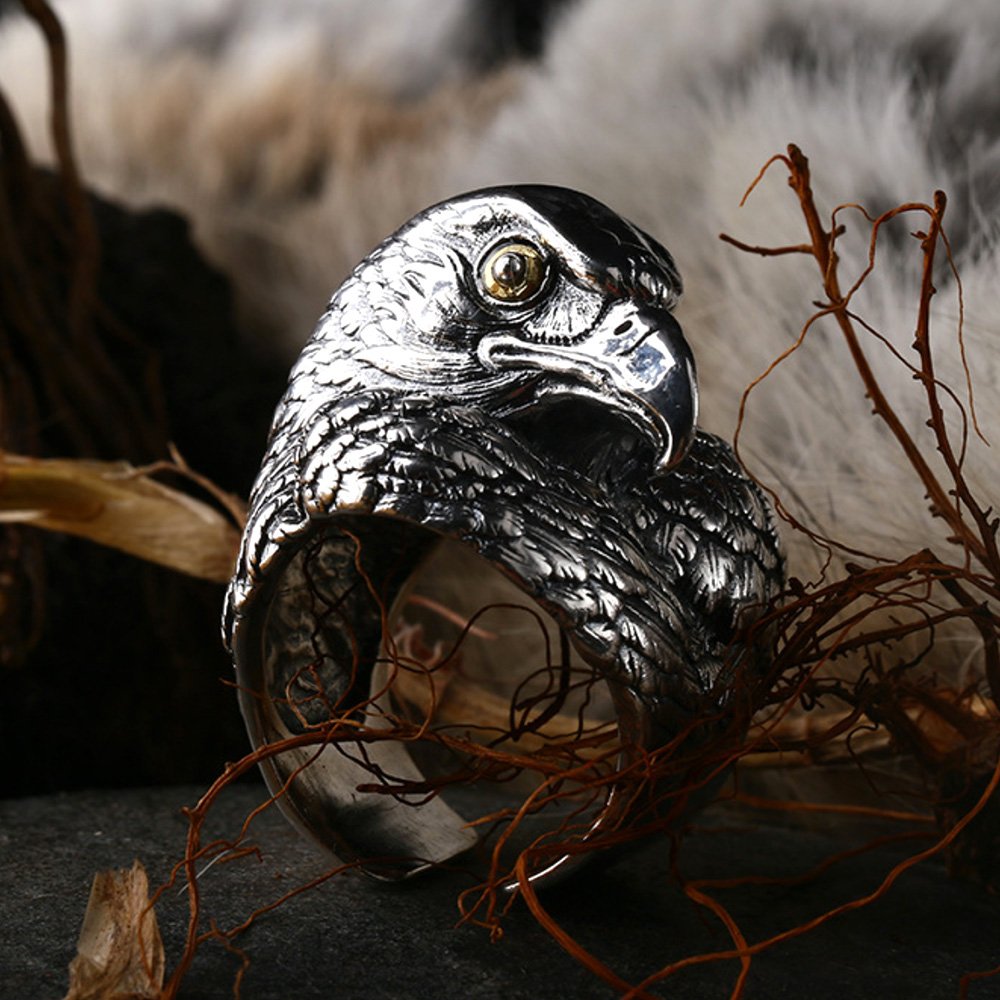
(553, 433)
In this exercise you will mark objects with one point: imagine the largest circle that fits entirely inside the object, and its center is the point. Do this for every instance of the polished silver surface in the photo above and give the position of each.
(504, 371)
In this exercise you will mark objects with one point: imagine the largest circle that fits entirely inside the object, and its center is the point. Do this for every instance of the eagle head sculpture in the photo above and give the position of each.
(516, 300)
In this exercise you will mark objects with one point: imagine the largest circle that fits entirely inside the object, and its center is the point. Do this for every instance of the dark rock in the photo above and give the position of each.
(112, 670)
(354, 938)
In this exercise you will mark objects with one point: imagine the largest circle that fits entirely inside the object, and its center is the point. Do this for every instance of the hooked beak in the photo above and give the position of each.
(634, 360)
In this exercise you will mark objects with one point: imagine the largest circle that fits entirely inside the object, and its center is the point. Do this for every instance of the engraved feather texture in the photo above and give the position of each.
(418, 401)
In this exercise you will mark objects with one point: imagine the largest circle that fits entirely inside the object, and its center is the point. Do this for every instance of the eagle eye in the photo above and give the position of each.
(513, 272)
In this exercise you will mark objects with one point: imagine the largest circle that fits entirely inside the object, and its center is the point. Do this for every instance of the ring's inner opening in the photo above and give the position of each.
(517, 724)
(480, 663)
(452, 696)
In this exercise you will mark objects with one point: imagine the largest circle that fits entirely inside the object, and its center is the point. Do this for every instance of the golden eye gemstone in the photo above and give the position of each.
(513, 272)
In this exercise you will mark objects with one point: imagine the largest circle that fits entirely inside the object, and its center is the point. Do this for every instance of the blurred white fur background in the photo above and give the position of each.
(296, 134)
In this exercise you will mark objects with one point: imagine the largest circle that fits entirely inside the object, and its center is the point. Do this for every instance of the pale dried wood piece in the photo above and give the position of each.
(114, 504)
(120, 952)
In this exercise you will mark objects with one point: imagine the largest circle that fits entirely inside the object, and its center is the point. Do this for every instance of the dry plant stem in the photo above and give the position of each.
(909, 584)
(97, 409)
(756, 802)
(813, 873)
(340, 732)
(589, 961)
(970, 977)
(432, 695)
(233, 505)
(854, 904)
(195, 851)
(986, 529)
(87, 259)
(826, 258)
(703, 899)
(109, 504)
(985, 623)
(978, 540)
(821, 247)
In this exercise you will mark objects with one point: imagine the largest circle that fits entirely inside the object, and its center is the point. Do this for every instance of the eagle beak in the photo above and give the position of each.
(634, 360)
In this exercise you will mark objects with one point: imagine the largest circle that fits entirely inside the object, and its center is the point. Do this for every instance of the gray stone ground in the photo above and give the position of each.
(354, 939)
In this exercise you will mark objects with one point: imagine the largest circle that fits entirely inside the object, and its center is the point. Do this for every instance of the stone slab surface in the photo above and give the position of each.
(352, 938)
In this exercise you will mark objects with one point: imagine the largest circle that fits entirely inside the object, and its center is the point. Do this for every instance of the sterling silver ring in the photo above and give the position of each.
(503, 374)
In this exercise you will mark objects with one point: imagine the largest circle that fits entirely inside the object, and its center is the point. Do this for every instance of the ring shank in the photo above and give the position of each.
(313, 668)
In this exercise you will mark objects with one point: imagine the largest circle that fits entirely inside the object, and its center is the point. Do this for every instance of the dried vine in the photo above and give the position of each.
(965, 587)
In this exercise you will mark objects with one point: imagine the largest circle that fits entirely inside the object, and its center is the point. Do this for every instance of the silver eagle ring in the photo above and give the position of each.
(503, 373)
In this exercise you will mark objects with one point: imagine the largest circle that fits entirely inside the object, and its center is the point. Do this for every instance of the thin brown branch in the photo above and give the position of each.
(87, 258)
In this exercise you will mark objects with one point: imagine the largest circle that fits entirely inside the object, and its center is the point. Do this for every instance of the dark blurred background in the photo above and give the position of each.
(111, 670)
